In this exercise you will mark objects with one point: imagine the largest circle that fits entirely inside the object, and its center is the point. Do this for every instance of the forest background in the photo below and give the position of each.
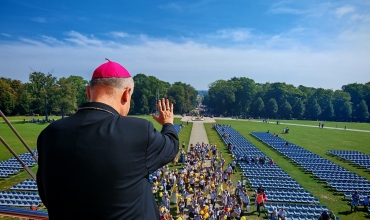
(242, 97)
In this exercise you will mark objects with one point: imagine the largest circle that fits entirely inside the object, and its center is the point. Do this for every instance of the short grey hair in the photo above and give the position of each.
(117, 83)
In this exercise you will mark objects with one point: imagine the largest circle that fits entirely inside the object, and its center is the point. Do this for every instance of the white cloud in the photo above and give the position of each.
(344, 10)
(39, 19)
(360, 17)
(286, 10)
(185, 6)
(118, 34)
(6, 35)
(51, 40)
(195, 63)
(31, 42)
(82, 40)
(236, 35)
(171, 6)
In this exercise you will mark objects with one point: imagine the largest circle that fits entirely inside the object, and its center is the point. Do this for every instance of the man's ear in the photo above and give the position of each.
(126, 95)
(88, 95)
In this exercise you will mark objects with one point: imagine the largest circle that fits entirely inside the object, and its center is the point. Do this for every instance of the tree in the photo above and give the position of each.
(79, 85)
(298, 109)
(7, 100)
(362, 111)
(65, 96)
(190, 97)
(340, 98)
(144, 98)
(277, 91)
(346, 111)
(328, 112)
(42, 88)
(258, 107)
(144, 106)
(176, 95)
(245, 91)
(313, 109)
(272, 108)
(285, 110)
(23, 101)
(356, 91)
(222, 96)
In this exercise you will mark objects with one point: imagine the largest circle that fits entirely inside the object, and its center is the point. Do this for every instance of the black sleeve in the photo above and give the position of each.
(162, 146)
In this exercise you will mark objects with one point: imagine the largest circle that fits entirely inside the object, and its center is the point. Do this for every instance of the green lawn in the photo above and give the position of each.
(317, 141)
(340, 125)
(30, 132)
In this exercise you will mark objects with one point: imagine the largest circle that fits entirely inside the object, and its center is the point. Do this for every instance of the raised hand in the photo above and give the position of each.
(165, 109)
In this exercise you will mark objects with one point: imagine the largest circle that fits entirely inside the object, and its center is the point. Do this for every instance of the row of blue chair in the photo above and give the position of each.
(6, 166)
(356, 157)
(18, 203)
(27, 198)
(28, 188)
(319, 166)
(271, 177)
(300, 212)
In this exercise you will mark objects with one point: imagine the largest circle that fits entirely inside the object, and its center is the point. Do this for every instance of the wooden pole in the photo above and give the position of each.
(19, 136)
(29, 171)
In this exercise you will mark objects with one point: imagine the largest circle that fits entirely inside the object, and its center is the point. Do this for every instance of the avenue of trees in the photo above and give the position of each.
(44, 95)
(243, 97)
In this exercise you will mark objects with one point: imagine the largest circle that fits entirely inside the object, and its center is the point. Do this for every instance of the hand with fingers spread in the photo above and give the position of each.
(165, 109)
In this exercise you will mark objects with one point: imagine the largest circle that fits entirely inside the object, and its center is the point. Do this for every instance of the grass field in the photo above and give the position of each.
(340, 125)
(313, 139)
(317, 141)
(30, 132)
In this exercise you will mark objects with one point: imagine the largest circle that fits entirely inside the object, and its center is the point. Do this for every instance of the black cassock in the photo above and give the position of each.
(95, 164)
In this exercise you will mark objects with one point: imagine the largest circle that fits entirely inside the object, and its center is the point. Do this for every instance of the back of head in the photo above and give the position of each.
(113, 75)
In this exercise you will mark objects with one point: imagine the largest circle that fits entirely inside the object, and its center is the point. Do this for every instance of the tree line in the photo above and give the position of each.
(243, 97)
(44, 94)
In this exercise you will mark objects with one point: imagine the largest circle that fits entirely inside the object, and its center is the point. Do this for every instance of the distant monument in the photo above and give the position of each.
(197, 118)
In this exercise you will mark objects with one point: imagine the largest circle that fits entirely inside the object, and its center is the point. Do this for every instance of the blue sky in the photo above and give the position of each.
(314, 43)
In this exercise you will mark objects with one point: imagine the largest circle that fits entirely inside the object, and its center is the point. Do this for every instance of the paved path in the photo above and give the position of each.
(198, 134)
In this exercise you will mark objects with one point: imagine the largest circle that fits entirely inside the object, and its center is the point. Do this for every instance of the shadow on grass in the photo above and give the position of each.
(348, 212)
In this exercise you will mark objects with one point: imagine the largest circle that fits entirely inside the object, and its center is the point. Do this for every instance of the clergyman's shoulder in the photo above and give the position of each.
(133, 120)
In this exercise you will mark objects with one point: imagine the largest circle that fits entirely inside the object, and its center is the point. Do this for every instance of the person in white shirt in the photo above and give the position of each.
(282, 213)
(238, 212)
(213, 197)
(274, 214)
(245, 200)
(367, 201)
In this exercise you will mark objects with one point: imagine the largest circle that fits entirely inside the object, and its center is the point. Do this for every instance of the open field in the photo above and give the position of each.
(317, 141)
(340, 125)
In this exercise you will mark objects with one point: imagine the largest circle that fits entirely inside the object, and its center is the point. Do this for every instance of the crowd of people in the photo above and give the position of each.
(202, 188)
(38, 121)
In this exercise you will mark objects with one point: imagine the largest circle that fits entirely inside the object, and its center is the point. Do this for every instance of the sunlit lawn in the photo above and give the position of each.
(339, 125)
(317, 141)
(30, 132)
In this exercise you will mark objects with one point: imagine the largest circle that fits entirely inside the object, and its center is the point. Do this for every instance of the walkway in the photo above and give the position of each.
(198, 134)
